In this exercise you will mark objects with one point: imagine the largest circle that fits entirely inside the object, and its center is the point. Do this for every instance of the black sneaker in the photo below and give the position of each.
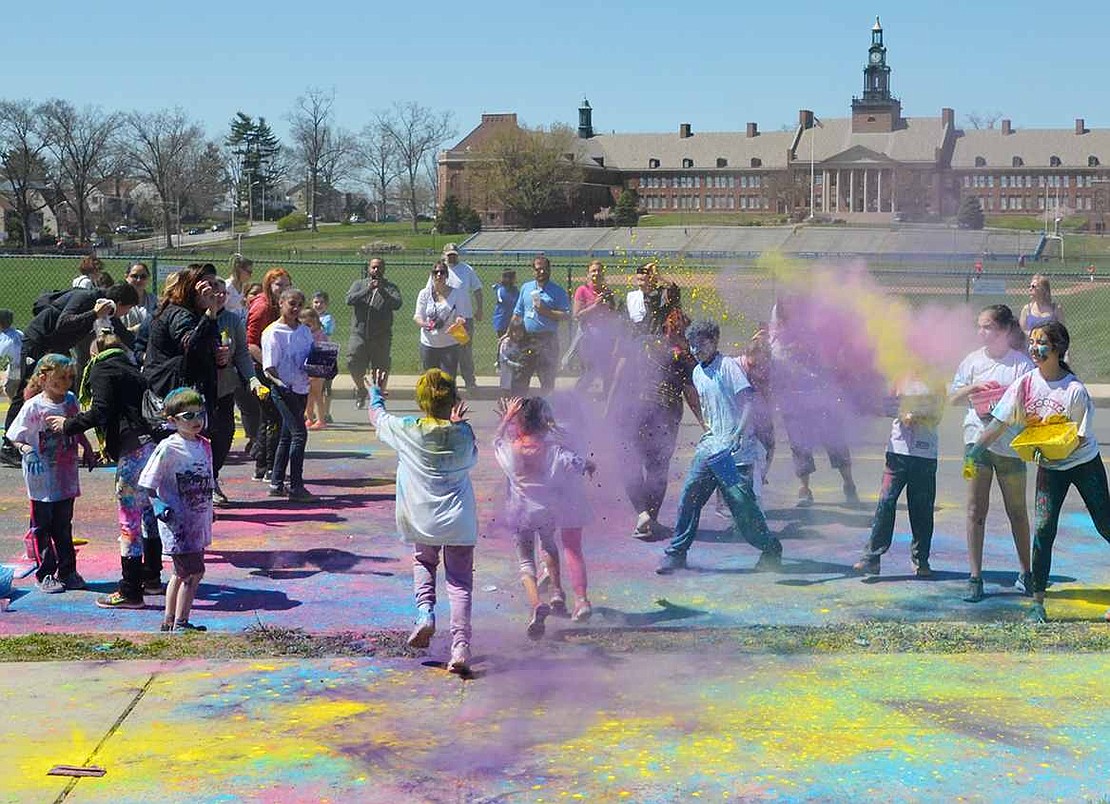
(670, 563)
(301, 494)
(277, 491)
(360, 403)
(1024, 584)
(974, 590)
(11, 458)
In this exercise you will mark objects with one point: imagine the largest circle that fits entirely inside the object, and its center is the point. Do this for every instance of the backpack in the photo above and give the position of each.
(49, 298)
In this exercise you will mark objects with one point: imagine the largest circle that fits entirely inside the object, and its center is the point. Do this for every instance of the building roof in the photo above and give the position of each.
(917, 141)
(1036, 147)
(632, 152)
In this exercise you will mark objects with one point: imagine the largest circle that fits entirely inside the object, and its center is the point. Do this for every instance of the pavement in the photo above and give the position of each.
(580, 714)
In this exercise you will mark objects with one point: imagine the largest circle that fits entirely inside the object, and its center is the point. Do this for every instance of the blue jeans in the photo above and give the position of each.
(918, 477)
(293, 439)
(746, 513)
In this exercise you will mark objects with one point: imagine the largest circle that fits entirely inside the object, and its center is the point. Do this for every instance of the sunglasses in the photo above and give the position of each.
(439, 273)
(190, 415)
(138, 276)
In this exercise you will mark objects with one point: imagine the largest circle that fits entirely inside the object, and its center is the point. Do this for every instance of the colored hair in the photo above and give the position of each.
(48, 364)
(179, 399)
(436, 393)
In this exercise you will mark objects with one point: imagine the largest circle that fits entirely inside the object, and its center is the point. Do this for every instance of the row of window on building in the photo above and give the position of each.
(710, 201)
(696, 182)
(1029, 181)
(1017, 202)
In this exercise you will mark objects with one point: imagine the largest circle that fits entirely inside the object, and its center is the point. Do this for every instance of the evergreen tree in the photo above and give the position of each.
(626, 212)
(970, 215)
(258, 152)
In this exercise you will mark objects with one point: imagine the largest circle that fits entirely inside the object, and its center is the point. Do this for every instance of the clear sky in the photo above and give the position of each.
(645, 66)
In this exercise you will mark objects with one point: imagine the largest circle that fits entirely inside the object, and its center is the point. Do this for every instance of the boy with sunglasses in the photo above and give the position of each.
(178, 478)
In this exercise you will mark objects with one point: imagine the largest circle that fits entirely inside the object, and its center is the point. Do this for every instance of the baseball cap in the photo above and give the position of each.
(451, 248)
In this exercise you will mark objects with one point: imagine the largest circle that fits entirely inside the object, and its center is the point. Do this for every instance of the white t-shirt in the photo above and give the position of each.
(11, 352)
(285, 349)
(921, 438)
(720, 386)
(50, 471)
(443, 313)
(435, 499)
(1033, 398)
(549, 493)
(179, 473)
(980, 367)
(462, 276)
(634, 304)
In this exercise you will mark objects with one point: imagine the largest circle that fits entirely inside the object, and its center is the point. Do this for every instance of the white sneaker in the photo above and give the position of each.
(643, 526)
(460, 659)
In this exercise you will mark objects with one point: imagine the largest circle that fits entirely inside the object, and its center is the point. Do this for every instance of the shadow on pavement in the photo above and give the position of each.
(293, 564)
(220, 597)
(667, 612)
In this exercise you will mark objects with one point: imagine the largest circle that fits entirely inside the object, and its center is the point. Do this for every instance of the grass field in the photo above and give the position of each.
(739, 296)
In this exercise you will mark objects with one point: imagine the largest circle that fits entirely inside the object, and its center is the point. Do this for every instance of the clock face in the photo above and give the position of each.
(876, 57)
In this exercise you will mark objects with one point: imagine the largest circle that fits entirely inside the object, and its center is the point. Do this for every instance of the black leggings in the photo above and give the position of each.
(1052, 487)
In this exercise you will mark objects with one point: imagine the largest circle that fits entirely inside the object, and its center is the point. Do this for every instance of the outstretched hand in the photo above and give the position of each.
(459, 412)
(509, 407)
(378, 377)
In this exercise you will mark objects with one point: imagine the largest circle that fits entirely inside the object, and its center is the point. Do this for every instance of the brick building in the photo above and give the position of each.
(873, 166)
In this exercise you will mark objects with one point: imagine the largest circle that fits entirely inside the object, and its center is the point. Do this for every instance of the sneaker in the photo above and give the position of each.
(118, 601)
(923, 570)
(559, 603)
(301, 494)
(1024, 583)
(360, 403)
(460, 659)
(154, 586)
(868, 565)
(51, 585)
(11, 458)
(805, 497)
(185, 625)
(73, 581)
(268, 476)
(248, 448)
(582, 611)
(277, 491)
(851, 496)
(1036, 614)
(643, 525)
(425, 627)
(769, 561)
(165, 626)
(260, 475)
(974, 590)
(670, 563)
(218, 496)
(536, 625)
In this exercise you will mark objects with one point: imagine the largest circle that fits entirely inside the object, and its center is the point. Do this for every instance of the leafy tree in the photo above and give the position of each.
(970, 215)
(529, 172)
(292, 222)
(627, 211)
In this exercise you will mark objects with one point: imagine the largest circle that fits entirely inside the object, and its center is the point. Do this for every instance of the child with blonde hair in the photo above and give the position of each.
(50, 470)
(315, 414)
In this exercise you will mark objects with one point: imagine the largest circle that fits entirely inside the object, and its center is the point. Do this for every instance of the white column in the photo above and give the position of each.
(866, 176)
(879, 194)
(851, 190)
(824, 190)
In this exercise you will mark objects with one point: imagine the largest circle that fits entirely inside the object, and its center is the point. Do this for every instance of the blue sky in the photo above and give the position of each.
(644, 66)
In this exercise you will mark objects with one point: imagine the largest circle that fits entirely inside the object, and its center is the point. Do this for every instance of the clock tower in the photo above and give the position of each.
(876, 111)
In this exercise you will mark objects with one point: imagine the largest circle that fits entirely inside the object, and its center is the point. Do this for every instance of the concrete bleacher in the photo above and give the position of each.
(748, 241)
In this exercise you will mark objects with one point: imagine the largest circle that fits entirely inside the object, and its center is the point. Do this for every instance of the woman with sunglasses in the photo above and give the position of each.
(1051, 393)
(436, 312)
(1041, 308)
(138, 277)
(237, 284)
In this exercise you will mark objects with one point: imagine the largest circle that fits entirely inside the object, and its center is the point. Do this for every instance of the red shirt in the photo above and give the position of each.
(259, 316)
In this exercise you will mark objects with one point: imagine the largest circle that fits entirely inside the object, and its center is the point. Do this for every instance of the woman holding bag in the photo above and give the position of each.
(1051, 394)
(438, 318)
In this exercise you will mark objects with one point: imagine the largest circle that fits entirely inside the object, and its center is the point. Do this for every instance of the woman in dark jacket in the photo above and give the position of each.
(112, 390)
(184, 337)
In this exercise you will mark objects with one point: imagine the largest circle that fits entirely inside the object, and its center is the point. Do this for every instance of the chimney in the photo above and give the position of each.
(805, 118)
(1080, 126)
(684, 131)
(753, 130)
(947, 118)
(1006, 130)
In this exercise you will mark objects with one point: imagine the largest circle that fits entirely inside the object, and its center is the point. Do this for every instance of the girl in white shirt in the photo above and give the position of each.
(982, 377)
(1052, 393)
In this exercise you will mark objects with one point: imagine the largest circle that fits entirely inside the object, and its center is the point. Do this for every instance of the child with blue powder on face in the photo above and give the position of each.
(178, 478)
(911, 464)
(50, 470)
(545, 493)
(436, 508)
(727, 407)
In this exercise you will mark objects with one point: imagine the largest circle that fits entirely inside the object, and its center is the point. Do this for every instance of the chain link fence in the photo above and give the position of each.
(739, 294)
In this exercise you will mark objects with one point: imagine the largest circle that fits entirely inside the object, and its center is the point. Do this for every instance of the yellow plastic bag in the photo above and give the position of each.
(458, 331)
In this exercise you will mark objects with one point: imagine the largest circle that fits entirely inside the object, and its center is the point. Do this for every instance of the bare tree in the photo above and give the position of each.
(982, 120)
(165, 148)
(417, 132)
(326, 154)
(84, 148)
(23, 156)
(378, 158)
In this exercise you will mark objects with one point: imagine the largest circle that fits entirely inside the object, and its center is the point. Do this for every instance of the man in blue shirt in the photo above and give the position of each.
(541, 306)
(724, 458)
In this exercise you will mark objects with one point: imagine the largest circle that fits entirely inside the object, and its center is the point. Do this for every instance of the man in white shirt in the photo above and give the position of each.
(461, 275)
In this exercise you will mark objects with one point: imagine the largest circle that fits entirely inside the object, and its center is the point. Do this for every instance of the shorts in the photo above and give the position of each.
(186, 565)
(1003, 465)
(372, 354)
